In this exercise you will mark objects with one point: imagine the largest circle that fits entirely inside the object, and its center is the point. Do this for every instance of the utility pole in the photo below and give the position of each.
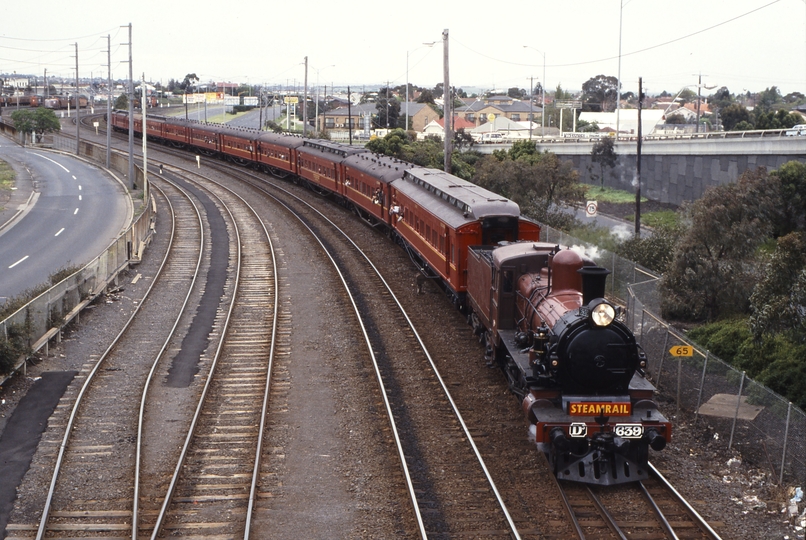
(108, 98)
(130, 181)
(446, 94)
(387, 104)
(46, 83)
(638, 163)
(531, 100)
(78, 110)
(349, 116)
(144, 106)
(699, 98)
(305, 102)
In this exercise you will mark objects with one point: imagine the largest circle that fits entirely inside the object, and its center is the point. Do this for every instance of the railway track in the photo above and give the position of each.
(651, 509)
(217, 469)
(91, 479)
(461, 506)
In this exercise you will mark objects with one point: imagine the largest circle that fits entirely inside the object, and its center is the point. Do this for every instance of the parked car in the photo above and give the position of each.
(800, 129)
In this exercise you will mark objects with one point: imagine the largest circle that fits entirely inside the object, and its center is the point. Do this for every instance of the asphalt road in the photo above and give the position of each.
(75, 212)
(248, 120)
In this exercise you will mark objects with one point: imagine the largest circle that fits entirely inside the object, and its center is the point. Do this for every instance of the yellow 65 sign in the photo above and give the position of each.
(682, 350)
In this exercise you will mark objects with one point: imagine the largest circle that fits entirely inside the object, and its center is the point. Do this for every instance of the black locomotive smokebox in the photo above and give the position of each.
(594, 279)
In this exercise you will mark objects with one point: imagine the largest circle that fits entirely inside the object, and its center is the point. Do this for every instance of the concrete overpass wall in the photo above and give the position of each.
(675, 170)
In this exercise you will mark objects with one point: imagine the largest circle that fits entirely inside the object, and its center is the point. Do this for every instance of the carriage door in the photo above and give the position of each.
(445, 248)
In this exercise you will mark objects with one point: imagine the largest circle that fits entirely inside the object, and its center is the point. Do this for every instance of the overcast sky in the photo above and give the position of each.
(741, 44)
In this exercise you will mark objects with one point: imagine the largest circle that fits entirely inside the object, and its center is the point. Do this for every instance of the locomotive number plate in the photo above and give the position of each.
(597, 408)
(629, 431)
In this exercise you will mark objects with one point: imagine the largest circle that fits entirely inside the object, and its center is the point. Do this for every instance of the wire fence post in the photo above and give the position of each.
(643, 312)
(613, 281)
(786, 438)
(662, 358)
(736, 415)
(679, 379)
(702, 384)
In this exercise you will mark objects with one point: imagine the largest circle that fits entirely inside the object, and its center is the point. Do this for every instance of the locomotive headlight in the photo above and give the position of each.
(603, 314)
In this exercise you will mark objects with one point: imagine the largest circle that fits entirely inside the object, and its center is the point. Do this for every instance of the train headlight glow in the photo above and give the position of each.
(603, 314)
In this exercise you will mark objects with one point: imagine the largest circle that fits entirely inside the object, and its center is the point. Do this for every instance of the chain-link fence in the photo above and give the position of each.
(763, 425)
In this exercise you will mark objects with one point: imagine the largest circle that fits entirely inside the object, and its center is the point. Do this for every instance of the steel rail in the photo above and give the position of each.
(658, 512)
(192, 428)
(457, 414)
(90, 376)
(147, 384)
(690, 509)
(270, 363)
(370, 350)
(609, 520)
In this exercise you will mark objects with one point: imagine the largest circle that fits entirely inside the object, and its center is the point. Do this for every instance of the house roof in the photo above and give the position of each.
(458, 122)
(363, 108)
(501, 123)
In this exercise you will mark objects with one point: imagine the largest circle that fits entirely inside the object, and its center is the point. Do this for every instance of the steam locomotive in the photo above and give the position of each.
(540, 310)
(542, 314)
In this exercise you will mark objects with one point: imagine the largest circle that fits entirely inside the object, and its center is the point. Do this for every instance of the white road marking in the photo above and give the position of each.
(60, 232)
(76, 212)
(56, 162)
(18, 262)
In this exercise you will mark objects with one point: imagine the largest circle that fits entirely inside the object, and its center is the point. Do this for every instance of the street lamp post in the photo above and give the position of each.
(407, 79)
(318, 127)
(543, 91)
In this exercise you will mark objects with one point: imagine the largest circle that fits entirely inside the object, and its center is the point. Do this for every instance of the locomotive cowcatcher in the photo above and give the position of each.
(542, 314)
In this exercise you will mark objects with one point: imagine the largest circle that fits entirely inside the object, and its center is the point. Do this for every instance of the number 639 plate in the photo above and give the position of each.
(629, 431)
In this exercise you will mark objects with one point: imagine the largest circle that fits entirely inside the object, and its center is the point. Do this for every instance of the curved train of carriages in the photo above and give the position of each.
(540, 310)
(49, 102)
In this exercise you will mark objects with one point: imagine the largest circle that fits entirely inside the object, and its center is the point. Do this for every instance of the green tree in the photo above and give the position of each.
(713, 268)
(734, 114)
(722, 98)
(189, 82)
(386, 105)
(768, 99)
(778, 298)
(541, 184)
(781, 119)
(792, 176)
(39, 121)
(604, 153)
(560, 94)
(121, 103)
(516, 92)
(653, 251)
(687, 96)
(426, 96)
(676, 119)
(600, 93)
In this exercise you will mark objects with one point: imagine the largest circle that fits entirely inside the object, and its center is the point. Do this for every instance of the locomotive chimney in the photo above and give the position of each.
(593, 282)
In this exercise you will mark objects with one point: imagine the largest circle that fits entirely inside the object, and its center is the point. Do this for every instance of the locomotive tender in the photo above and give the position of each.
(576, 367)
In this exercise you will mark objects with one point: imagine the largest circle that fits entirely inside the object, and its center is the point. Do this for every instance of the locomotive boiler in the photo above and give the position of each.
(542, 314)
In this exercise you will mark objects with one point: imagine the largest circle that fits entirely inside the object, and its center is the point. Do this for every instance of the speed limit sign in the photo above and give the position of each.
(591, 208)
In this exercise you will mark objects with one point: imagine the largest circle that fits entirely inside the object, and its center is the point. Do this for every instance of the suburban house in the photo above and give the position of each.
(420, 114)
(437, 126)
(479, 111)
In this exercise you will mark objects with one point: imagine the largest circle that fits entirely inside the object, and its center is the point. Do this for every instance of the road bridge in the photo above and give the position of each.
(675, 169)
